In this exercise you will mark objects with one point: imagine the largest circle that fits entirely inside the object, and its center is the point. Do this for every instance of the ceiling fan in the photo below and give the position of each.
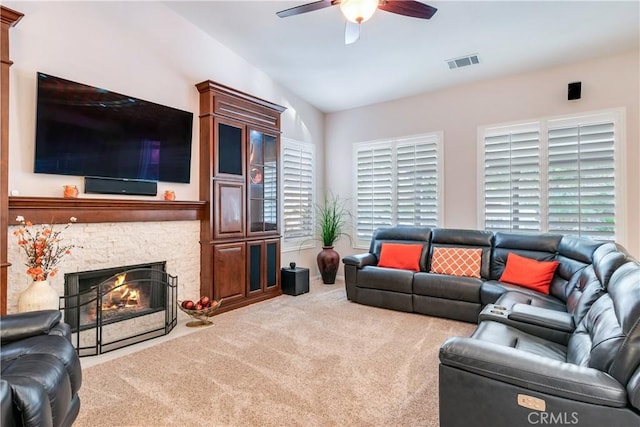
(358, 11)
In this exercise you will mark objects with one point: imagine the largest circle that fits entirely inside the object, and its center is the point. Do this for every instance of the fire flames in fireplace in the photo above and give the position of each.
(121, 296)
(120, 299)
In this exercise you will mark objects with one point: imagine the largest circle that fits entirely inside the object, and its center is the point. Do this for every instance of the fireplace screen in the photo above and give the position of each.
(111, 308)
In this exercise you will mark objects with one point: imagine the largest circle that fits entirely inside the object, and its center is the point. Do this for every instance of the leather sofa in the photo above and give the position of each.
(462, 298)
(568, 357)
(41, 372)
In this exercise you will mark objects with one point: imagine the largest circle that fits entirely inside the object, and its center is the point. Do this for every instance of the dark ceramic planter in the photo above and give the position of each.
(328, 263)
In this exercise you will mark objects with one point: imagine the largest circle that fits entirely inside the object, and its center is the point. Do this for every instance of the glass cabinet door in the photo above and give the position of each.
(263, 265)
(263, 182)
(228, 152)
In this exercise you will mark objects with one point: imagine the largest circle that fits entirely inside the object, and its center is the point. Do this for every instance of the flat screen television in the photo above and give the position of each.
(88, 131)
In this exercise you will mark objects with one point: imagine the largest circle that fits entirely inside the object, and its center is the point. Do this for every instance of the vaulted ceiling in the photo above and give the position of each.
(399, 56)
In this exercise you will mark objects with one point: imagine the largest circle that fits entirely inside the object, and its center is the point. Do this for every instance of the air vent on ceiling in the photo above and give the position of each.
(463, 61)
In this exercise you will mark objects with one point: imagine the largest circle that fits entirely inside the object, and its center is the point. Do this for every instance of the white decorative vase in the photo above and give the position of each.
(38, 296)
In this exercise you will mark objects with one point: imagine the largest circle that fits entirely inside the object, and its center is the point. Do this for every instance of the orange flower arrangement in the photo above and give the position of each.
(43, 247)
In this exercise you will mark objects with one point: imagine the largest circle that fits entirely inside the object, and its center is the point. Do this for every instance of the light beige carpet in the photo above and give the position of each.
(312, 360)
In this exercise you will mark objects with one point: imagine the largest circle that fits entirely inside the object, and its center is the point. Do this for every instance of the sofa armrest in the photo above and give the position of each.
(537, 373)
(553, 319)
(6, 404)
(360, 260)
(18, 326)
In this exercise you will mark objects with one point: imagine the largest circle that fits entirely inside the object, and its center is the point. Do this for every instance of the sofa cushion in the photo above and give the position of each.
(54, 345)
(456, 261)
(30, 403)
(406, 235)
(586, 291)
(633, 389)
(400, 255)
(459, 238)
(448, 287)
(491, 290)
(501, 334)
(542, 247)
(624, 291)
(530, 273)
(606, 259)
(511, 298)
(45, 373)
(388, 279)
(574, 254)
(29, 324)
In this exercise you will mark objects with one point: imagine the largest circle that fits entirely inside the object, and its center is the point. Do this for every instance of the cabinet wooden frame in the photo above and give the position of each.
(229, 115)
(8, 18)
(229, 205)
(229, 274)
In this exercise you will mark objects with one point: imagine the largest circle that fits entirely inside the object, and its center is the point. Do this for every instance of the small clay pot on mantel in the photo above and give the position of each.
(328, 262)
(70, 191)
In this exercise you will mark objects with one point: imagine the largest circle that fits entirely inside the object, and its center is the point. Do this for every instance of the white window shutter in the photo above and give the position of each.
(374, 170)
(512, 180)
(397, 183)
(298, 189)
(576, 192)
(582, 180)
(417, 170)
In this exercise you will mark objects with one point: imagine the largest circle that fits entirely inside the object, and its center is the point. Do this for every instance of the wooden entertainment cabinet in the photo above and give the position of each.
(8, 18)
(239, 180)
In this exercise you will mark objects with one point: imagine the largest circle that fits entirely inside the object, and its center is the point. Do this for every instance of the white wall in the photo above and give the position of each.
(142, 49)
(606, 83)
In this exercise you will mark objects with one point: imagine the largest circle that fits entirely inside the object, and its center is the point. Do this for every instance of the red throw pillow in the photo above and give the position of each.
(399, 255)
(529, 273)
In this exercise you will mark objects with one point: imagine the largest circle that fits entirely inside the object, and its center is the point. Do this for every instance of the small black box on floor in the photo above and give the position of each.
(295, 281)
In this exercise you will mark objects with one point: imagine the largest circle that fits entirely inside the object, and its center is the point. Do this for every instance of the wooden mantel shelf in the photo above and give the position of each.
(46, 210)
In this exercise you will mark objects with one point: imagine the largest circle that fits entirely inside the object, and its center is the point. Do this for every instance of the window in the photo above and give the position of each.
(582, 179)
(298, 180)
(512, 178)
(398, 182)
(554, 175)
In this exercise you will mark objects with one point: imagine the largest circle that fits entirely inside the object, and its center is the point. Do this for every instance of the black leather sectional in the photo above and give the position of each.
(571, 357)
(41, 372)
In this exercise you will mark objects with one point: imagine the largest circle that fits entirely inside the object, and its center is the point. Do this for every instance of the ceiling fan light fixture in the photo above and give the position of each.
(358, 11)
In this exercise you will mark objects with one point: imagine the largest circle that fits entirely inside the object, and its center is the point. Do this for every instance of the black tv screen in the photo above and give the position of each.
(87, 131)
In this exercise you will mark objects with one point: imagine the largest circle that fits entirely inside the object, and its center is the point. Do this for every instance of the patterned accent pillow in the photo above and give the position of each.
(456, 261)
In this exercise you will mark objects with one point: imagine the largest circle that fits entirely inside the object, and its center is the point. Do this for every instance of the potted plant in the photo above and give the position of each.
(331, 219)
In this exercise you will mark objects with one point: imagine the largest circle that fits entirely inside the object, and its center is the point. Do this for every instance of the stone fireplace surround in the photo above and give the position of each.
(111, 244)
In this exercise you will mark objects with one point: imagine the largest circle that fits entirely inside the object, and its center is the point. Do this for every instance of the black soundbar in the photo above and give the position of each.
(139, 187)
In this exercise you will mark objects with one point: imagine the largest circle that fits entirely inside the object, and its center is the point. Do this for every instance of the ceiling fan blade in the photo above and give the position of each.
(351, 32)
(309, 7)
(415, 9)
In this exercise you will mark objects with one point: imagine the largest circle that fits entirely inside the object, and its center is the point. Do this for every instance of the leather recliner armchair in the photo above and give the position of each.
(41, 372)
